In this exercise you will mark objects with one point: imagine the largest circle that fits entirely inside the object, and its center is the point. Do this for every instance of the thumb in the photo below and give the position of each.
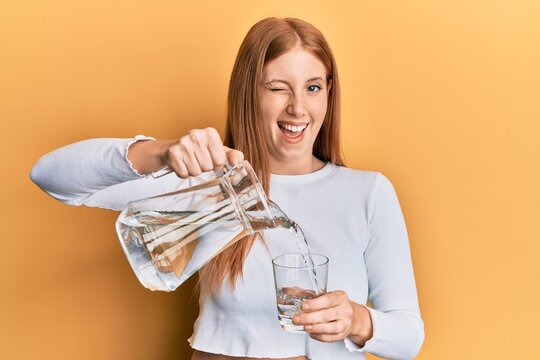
(233, 156)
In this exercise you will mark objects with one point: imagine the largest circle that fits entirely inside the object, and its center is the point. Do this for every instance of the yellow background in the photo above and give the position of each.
(441, 96)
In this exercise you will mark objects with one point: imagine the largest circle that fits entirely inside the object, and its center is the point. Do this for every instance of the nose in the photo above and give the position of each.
(296, 106)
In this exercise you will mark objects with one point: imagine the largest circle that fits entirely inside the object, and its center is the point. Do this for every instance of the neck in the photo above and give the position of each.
(295, 167)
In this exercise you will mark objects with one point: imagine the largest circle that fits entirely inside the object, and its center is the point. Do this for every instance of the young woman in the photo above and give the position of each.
(283, 116)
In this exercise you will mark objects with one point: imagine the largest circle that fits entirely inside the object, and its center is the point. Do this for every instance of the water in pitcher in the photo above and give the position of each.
(167, 247)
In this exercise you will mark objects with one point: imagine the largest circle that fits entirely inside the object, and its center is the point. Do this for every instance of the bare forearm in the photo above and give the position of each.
(149, 155)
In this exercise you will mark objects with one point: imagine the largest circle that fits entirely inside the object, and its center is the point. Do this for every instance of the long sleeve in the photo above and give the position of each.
(96, 173)
(398, 330)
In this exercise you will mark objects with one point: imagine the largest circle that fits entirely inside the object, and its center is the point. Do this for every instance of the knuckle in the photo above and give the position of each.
(220, 161)
(195, 136)
(206, 167)
(184, 143)
(219, 155)
(212, 132)
(173, 152)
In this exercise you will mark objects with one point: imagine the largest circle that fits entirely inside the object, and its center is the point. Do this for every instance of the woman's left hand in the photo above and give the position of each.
(333, 317)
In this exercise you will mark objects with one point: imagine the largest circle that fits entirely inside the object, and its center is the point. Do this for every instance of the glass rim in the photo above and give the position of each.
(325, 261)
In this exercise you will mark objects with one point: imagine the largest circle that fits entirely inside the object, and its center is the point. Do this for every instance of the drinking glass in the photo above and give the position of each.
(298, 277)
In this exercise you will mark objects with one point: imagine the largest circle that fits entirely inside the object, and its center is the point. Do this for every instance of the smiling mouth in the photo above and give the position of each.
(292, 130)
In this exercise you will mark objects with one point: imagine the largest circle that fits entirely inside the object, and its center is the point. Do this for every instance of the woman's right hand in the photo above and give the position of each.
(199, 151)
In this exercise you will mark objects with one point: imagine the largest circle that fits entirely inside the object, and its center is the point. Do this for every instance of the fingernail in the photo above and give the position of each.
(305, 307)
(296, 319)
(307, 327)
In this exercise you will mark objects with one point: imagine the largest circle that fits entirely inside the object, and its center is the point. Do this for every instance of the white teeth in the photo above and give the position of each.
(293, 128)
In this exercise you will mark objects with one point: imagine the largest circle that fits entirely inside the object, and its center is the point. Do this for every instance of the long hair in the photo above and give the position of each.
(265, 41)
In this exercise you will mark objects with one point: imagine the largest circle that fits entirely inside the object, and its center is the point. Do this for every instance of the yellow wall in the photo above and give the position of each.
(441, 96)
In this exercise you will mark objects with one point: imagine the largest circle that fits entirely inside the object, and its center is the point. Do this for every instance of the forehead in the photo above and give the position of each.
(296, 64)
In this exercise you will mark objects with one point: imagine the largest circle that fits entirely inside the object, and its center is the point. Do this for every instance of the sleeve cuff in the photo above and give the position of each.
(133, 141)
(370, 344)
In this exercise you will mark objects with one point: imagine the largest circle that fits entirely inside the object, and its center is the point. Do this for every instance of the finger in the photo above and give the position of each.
(198, 143)
(216, 149)
(327, 337)
(333, 327)
(324, 301)
(233, 156)
(192, 164)
(317, 317)
(204, 159)
(176, 163)
(180, 169)
(186, 148)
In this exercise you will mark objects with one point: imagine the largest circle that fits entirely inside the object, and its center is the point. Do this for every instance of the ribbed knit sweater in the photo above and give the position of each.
(351, 216)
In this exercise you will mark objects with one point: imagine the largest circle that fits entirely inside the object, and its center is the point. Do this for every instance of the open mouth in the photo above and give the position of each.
(291, 130)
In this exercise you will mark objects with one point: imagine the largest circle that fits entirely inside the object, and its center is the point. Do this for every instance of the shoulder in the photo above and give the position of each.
(368, 179)
(369, 183)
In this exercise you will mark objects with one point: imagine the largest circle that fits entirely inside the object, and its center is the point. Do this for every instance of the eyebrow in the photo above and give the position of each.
(286, 82)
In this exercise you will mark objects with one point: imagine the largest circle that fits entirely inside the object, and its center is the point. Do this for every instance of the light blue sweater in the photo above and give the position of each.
(351, 216)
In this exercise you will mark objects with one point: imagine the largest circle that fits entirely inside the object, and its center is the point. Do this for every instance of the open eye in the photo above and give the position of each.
(314, 88)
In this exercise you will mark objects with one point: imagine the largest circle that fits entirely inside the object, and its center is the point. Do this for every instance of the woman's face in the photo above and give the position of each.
(293, 99)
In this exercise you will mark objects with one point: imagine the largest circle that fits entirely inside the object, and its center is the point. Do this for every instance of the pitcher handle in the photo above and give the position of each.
(161, 172)
(166, 170)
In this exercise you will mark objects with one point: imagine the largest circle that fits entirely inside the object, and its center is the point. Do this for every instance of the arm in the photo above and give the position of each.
(109, 173)
(93, 172)
(398, 330)
(392, 328)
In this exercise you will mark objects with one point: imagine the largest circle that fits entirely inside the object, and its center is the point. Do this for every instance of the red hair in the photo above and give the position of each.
(265, 41)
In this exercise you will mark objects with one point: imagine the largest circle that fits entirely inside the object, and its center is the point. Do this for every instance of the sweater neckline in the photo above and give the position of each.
(303, 178)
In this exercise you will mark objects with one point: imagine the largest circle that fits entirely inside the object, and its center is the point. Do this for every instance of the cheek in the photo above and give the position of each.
(268, 119)
(319, 108)
(271, 108)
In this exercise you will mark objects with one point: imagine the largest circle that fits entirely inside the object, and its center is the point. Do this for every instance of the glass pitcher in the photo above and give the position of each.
(167, 238)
